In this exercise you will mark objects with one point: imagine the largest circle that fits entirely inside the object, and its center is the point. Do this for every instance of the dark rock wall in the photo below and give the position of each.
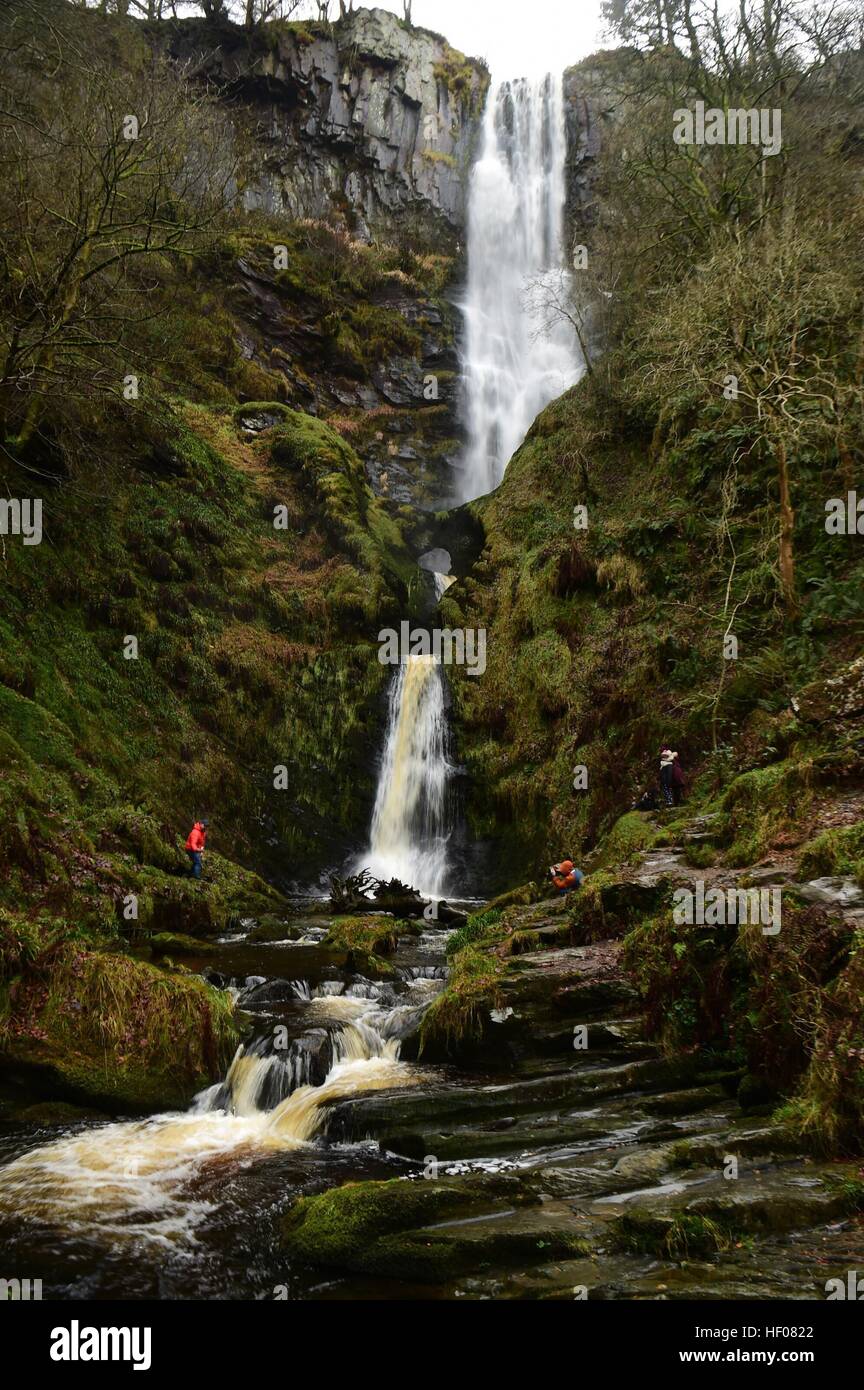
(590, 107)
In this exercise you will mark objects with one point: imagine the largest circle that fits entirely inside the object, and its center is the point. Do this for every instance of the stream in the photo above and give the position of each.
(186, 1204)
(326, 1088)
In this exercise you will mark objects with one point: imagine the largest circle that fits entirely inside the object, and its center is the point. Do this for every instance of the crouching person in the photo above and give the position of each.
(565, 876)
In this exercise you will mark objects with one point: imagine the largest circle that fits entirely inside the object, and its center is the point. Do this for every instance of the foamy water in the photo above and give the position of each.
(510, 371)
(135, 1180)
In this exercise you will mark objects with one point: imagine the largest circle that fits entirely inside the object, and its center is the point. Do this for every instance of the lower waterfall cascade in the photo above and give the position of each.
(410, 822)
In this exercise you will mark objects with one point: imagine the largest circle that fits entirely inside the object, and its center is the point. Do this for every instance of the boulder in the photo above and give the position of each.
(839, 893)
(429, 1231)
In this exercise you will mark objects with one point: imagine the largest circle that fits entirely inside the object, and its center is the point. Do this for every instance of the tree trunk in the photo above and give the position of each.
(787, 532)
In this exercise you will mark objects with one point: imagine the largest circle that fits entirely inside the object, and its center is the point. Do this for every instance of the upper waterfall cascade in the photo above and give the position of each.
(513, 364)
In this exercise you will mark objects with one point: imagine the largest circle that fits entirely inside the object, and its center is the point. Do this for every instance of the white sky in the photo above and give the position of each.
(518, 38)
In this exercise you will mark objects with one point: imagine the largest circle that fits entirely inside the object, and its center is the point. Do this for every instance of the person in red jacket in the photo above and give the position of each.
(195, 843)
(565, 876)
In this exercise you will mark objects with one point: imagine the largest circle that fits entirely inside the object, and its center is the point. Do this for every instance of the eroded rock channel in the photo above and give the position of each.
(345, 1153)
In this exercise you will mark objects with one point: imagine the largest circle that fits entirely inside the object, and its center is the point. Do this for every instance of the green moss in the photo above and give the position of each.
(587, 908)
(375, 935)
(522, 896)
(700, 856)
(851, 1191)
(440, 157)
(394, 1229)
(265, 407)
(630, 834)
(176, 943)
(464, 78)
(20, 941)
(683, 1155)
(480, 925)
(834, 852)
(683, 1237)
(116, 1031)
(458, 1013)
(334, 470)
(762, 803)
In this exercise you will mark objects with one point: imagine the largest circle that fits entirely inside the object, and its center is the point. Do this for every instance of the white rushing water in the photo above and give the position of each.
(511, 369)
(136, 1181)
(410, 823)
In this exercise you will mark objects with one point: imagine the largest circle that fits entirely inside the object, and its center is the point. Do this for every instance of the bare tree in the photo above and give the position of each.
(720, 263)
(103, 180)
(550, 300)
(773, 326)
(260, 11)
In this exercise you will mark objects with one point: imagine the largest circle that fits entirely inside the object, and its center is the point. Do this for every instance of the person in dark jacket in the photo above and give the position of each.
(667, 762)
(677, 781)
(195, 842)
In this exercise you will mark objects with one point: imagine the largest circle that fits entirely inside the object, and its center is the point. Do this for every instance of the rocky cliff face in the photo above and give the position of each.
(592, 105)
(583, 150)
(365, 116)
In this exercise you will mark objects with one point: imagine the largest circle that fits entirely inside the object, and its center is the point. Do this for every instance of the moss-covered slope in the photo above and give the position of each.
(606, 627)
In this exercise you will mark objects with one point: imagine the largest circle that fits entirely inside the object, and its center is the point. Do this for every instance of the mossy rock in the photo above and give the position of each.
(841, 696)
(393, 1229)
(631, 833)
(104, 1029)
(762, 805)
(271, 929)
(56, 1112)
(373, 935)
(523, 896)
(754, 1092)
(833, 853)
(176, 943)
(456, 1023)
(700, 856)
(608, 905)
(370, 966)
(683, 1236)
(181, 905)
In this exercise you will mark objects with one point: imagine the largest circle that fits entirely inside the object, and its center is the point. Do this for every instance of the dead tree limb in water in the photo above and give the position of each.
(364, 892)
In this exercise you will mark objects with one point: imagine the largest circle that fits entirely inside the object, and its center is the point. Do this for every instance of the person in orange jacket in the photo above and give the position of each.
(195, 842)
(565, 876)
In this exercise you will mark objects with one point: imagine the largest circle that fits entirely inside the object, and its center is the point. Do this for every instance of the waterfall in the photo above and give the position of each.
(141, 1181)
(442, 583)
(410, 823)
(511, 369)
